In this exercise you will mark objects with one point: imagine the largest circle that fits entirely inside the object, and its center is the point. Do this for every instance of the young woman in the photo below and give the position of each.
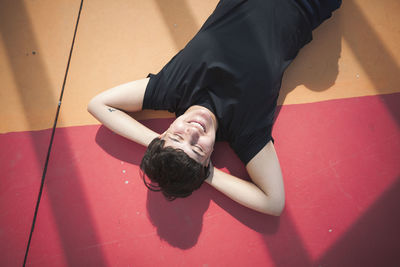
(223, 85)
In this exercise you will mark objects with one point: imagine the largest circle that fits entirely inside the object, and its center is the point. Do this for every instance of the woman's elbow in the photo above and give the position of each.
(280, 208)
(93, 105)
(277, 207)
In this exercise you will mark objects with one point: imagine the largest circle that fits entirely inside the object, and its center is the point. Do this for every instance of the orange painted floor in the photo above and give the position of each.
(337, 137)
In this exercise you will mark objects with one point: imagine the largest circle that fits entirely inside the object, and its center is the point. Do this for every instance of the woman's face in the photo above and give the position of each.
(194, 133)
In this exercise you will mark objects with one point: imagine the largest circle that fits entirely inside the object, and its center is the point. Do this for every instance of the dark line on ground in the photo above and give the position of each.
(51, 139)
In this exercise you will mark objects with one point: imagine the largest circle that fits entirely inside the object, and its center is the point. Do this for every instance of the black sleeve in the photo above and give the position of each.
(162, 92)
(246, 147)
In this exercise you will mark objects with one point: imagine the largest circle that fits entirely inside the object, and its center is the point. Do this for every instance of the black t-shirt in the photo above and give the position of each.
(318, 10)
(233, 66)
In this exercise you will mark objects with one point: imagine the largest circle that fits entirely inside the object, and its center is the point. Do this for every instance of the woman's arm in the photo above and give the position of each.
(266, 194)
(110, 107)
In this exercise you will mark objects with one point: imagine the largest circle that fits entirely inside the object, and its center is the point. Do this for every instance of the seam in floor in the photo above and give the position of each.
(51, 139)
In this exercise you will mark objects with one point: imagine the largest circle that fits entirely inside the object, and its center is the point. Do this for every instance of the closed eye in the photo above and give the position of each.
(199, 148)
(177, 136)
(199, 151)
(196, 149)
(175, 140)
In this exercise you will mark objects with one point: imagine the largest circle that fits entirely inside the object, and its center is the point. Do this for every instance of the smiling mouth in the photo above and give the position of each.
(198, 124)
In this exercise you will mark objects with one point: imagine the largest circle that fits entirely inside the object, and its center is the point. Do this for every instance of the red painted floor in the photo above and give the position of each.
(340, 161)
(22, 157)
(340, 158)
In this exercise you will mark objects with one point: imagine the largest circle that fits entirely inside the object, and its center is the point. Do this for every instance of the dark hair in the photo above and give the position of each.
(171, 170)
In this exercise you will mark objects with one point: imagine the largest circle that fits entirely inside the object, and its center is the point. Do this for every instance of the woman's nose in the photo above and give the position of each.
(193, 134)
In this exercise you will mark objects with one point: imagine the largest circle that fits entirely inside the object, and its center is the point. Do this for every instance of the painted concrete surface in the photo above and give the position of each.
(36, 38)
(355, 53)
(337, 139)
(340, 166)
